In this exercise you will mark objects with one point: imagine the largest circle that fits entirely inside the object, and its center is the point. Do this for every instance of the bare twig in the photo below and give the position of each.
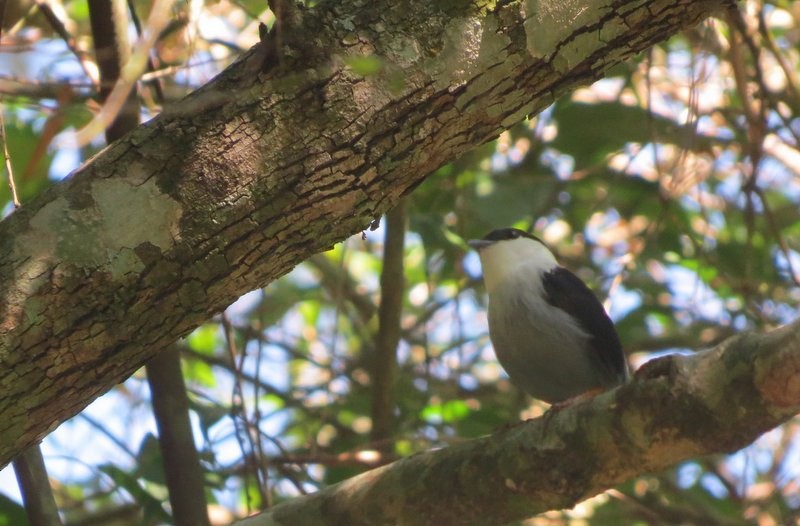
(130, 72)
(7, 161)
(246, 431)
(152, 63)
(730, 395)
(58, 26)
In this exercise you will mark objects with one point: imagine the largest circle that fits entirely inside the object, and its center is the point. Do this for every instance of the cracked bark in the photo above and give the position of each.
(282, 155)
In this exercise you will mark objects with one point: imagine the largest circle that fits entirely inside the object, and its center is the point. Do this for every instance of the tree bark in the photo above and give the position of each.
(287, 152)
(676, 408)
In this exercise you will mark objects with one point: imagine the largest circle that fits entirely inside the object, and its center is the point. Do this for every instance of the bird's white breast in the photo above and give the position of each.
(542, 348)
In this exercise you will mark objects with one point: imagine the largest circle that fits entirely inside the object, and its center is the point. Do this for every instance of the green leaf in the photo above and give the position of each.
(198, 372)
(11, 512)
(447, 412)
(205, 339)
(589, 133)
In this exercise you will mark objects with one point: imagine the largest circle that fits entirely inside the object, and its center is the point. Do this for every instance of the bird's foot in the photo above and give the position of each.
(557, 407)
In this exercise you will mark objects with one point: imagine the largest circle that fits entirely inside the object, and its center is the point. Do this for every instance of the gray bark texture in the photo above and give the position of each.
(285, 153)
(675, 408)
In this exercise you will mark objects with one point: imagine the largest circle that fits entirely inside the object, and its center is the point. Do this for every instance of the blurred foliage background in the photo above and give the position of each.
(671, 187)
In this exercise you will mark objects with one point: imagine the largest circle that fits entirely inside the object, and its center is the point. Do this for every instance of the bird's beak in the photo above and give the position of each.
(478, 244)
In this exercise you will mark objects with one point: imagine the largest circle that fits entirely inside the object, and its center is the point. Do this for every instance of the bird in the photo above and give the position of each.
(548, 329)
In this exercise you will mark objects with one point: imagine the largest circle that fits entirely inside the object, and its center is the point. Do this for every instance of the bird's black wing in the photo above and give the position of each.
(566, 291)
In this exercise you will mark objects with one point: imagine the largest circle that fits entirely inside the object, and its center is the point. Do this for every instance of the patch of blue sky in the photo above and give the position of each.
(468, 381)
(47, 59)
(420, 384)
(654, 325)
(472, 264)
(499, 162)
(7, 209)
(446, 357)
(513, 156)
(273, 361)
(75, 446)
(682, 351)
(203, 68)
(440, 326)
(712, 484)
(594, 230)
(715, 218)
(560, 163)
(726, 161)
(303, 276)
(708, 127)
(774, 175)
(26, 115)
(239, 310)
(73, 437)
(688, 474)
(469, 309)
(623, 301)
(740, 322)
(641, 159)
(789, 469)
(609, 87)
(775, 121)
(787, 131)
(757, 458)
(599, 222)
(786, 266)
(779, 312)
(65, 161)
(691, 298)
(729, 188)
(225, 445)
(740, 201)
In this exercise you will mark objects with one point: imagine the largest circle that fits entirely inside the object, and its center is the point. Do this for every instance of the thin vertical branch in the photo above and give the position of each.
(181, 460)
(111, 47)
(384, 359)
(152, 63)
(266, 494)
(245, 431)
(40, 505)
(107, 21)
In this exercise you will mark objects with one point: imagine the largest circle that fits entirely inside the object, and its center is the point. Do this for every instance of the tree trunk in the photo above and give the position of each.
(287, 152)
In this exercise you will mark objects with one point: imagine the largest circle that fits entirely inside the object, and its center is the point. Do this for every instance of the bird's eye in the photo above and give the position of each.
(514, 234)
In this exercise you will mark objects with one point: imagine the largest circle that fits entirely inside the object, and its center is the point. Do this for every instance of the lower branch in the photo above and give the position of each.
(675, 408)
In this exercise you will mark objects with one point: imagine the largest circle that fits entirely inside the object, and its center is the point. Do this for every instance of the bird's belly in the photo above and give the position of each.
(543, 349)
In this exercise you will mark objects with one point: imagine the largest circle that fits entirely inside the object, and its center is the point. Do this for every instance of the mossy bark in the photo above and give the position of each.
(675, 408)
(287, 152)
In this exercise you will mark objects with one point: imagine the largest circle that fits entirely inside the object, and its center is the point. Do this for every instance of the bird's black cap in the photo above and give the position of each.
(502, 234)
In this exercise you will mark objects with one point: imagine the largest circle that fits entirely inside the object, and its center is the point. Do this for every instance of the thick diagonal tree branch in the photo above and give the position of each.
(675, 408)
(287, 152)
